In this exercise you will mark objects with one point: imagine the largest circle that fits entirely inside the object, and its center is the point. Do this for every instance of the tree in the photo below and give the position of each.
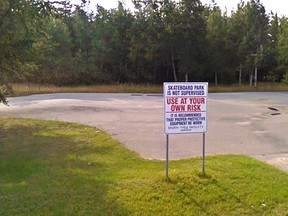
(282, 46)
(254, 41)
(247, 37)
(164, 40)
(218, 44)
(15, 37)
(52, 53)
(192, 48)
(111, 42)
(270, 62)
(20, 22)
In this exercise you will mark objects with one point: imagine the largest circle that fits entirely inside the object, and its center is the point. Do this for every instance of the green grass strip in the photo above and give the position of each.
(55, 168)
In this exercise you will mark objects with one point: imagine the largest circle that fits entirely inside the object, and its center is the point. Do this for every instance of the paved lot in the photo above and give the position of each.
(238, 123)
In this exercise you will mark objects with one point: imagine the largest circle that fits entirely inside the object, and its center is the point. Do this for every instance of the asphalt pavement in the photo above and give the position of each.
(253, 124)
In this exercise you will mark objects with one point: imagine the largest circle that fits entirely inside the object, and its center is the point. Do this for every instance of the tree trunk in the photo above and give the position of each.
(251, 79)
(255, 77)
(240, 75)
(167, 71)
(102, 66)
(216, 78)
(138, 70)
(126, 69)
(173, 66)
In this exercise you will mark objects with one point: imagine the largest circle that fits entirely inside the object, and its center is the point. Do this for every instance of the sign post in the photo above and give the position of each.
(185, 111)
(167, 155)
(203, 154)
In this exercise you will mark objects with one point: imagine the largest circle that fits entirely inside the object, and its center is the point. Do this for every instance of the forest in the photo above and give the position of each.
(56, 42)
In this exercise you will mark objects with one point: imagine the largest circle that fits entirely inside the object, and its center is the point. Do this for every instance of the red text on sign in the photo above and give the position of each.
(194, 108)
(172, 100)
(197, 100)
(177, 108)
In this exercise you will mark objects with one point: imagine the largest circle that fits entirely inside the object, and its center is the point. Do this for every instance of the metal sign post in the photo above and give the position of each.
(203, 155)
(167, 155)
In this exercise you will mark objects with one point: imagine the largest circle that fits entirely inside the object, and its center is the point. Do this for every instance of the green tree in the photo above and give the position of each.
(192, 51)
(218, 45)
(111, 42)
(20, 24)
(255, 38)
(247, 38)
(282, 46)
(16, 37)
(270, 62)
(52, 53)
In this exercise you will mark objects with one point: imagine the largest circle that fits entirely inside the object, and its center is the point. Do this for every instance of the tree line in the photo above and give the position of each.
(55, 42)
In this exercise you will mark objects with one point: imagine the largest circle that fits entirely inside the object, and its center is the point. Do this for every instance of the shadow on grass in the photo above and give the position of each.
(43, 174)
(189, 186)
(233, 195)
(227, 191)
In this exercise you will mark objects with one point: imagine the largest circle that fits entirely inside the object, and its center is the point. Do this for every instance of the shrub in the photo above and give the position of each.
(285, 79)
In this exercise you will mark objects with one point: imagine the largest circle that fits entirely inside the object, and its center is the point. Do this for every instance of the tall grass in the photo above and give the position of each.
(261, 86)
(21, 89)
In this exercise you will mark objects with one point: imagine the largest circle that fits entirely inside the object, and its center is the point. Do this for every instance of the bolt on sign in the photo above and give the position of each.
(185, 107)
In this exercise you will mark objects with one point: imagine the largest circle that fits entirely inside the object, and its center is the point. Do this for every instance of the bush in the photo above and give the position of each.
(272, 77)
(285, 79)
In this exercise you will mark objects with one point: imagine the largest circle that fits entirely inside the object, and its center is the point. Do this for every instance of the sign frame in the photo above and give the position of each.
(190, 110)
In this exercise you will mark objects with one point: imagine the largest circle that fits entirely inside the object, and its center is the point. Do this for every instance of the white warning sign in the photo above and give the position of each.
(185, 107)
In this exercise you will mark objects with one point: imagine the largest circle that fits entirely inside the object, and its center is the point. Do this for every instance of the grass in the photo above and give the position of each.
(28, 89)
(261, 87)
(56, 168)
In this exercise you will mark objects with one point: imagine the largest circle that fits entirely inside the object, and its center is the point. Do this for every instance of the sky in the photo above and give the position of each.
(279, 6)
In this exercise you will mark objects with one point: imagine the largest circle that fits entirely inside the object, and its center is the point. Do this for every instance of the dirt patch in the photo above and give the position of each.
(91, 109)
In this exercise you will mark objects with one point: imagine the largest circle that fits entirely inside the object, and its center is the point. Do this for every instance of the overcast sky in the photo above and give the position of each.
(279, 6)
